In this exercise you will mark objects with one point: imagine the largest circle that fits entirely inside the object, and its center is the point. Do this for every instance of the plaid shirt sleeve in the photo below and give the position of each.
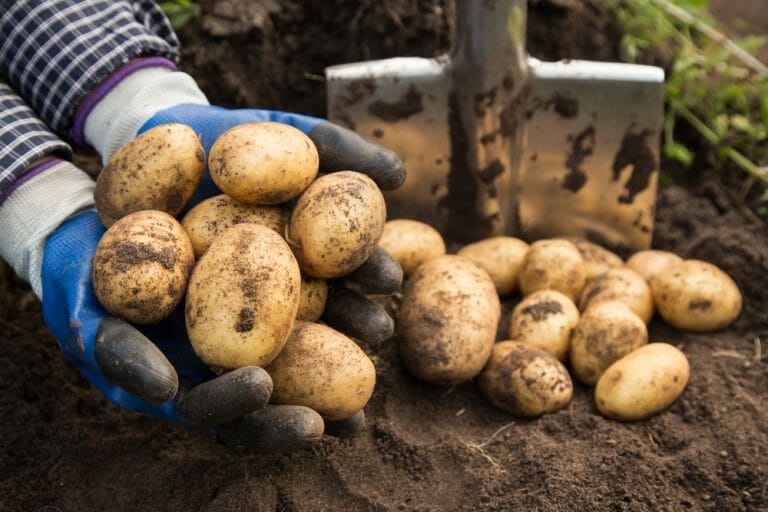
(54, 52)
(23, 140)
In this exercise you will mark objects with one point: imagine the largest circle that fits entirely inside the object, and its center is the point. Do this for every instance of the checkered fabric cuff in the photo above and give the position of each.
(55, 52)
(24, 139)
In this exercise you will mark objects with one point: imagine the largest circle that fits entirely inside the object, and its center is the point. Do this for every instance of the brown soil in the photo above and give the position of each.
(64, 448)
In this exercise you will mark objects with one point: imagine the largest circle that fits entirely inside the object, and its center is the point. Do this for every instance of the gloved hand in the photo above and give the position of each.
(146, 93)
(135, 373)
(121, 361)
(339, 149)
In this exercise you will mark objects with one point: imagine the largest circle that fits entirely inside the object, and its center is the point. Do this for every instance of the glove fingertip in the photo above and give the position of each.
(228, 397)
(380, 274)
(275, 429)
(356, 316)
(346, 428)
(130, 361)
(343, 149)
(391, 168)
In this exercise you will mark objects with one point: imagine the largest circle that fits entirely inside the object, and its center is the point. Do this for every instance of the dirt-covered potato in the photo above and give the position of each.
(448, 320)
(553, 265)
(158, 170)
(696, 296)
(210, 217)
(597, 259)
(501, 257)
(649, 262)
(606, 332)
(525, 380)
(336, 224)
(642, 383)
(621, 284)
(263, 163)
(141, 266)
(314, 293)
(242, 298)
(411, 243)
(545, 319)
(322, 369)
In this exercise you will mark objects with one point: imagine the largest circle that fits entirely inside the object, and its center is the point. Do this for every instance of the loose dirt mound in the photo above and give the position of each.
(425, 448)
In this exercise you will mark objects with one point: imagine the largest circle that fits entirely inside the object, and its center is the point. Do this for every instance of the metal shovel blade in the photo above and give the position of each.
(497, 142)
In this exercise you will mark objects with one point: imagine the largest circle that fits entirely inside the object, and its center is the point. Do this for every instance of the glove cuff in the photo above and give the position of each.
(115, 111)
(55, 191)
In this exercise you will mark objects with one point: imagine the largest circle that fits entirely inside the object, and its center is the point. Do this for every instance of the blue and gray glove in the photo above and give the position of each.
(153, 370)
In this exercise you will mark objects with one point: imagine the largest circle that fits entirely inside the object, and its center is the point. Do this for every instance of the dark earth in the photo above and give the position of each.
(425, 448)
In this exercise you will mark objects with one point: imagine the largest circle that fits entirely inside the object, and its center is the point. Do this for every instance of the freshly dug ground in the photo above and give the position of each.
(425, 448)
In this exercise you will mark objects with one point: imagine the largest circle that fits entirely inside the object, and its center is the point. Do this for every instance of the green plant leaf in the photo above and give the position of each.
(180, 12)
(713, 85)
(678, 152)
(741, 123)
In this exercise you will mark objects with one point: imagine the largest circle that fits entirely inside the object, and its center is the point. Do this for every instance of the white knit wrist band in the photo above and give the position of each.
(117, 117)
(34, 210)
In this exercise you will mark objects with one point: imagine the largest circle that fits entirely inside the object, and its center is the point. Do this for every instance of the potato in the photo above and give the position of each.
(158, 170)
(545, 319)
(606, 332)
(448, 320)
(525, 380)
(210, 217)
(336, 224)
(597, 259)
(553, 265)
(696, 296)
(621, 284)
(263, 163)
(322, 369)
(642, 382)
(648, 263)
(501, 257)
(312, 297)
(242, 298)
(411, 243)
(141, 266)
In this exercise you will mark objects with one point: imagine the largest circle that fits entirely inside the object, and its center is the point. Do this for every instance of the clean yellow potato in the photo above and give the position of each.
(553, 265)
(314, 293)
(263, 163)
(500, 256)
(525, 380)
(597, 259)
(696, 296)
(606, 332)
(642, 383)
(336, 224)
(209, 218)
(158, 170)
(141, 266)
(621, 284)
(411, 243)
(448, 320)
(322, 369)
(242, 298)
(545, 319)
(649, 262)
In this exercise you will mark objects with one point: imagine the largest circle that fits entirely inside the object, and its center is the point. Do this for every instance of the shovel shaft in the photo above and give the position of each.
(483, 110)
(490, 39)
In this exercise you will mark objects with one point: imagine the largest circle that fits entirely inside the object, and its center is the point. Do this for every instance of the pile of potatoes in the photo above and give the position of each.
(252, 265)
(252, 271)
(581, 306)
